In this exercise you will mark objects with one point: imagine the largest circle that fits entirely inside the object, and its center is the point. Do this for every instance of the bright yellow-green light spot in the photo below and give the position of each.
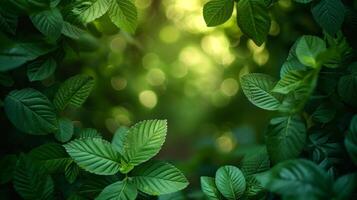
(191, 5)
(119, 116)
(229, 87)
(217, 45)
(169, 34)
(225, 143)
(118, 83)
(261, 58)
(196, 60)
(190, 55)
(274, 28)
(285, 3)
(186, 15)
(155, 77)
(143, 4)
(148, 98)
(245, 70)
(254, 48)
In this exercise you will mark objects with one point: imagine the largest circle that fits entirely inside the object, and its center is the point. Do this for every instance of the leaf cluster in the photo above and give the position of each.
(73, 162)
(311, 143)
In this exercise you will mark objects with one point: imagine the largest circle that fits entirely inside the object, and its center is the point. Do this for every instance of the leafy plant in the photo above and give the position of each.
(35, 37)
(253, 17)
(33, 113)
(311, 144)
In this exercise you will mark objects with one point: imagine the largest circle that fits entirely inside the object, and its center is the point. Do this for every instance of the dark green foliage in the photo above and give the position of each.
(252, 16)
(31, 112)
(316, 101)
(35, 37)
(286, 138)
(30, 181)
(310, 150)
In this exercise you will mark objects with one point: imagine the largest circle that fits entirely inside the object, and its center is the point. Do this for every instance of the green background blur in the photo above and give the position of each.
(176, 68)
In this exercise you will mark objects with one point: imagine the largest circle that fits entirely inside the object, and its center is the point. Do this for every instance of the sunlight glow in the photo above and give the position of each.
(155, 77)
(225, 143)
(148, 98)
(151, 60)
(143, 4)
(217, 45)
(118, 44)
(229, 87)
(261, 58)
(118, 83)
(169, 34)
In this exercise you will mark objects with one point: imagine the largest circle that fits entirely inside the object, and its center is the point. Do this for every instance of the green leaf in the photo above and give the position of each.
(31, 112)
(7, 165)
(338, 50)
(230, 182)
(157, 178)
(217, 12)
(329, 14)
(124, 15)
(30, 6)
(255, 162)
(292, 62)
(303, 1)
(292, 80)
(351, 140)
(173, 196)
(254, 188)
(121, 190)
(94, 155)
(324, 113)
(88, 11)
(253, 19)
(119, 139)
(48, 22)
(298, 178)
(93, 185)
(72, 31)
(295, 101)
(345, 186)
(89, 133)
(308, 49)
(291, 65)
(325, 150)
(41, 69)
(71, 172)
(8, 21)
(74, 91)
(209, 188)
(286, 137)
(51, 156)
(144, 140)
(19, 53)
(257, 88)
(347, 86)
(30, 181)
(65, 130)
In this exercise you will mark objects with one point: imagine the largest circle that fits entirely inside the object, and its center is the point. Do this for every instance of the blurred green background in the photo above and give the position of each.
(177, 68)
